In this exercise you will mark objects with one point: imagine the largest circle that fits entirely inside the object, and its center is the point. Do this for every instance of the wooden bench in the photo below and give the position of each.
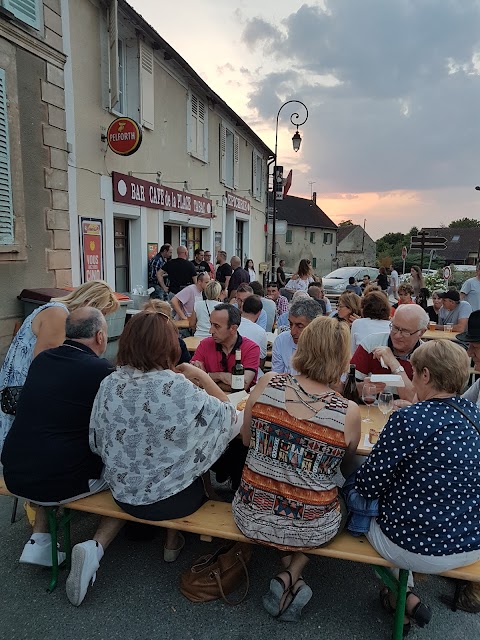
(214, 519)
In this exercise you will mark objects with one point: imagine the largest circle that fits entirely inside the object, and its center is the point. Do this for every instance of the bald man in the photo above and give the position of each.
(239, 275)
(180, 271)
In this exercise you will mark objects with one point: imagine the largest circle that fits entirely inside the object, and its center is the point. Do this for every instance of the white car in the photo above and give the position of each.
(335, 283)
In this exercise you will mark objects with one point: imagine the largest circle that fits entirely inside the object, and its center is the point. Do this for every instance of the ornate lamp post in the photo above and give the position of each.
(277, 178)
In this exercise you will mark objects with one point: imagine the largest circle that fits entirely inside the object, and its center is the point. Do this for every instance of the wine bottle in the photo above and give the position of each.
(238, 373)
(350, 390)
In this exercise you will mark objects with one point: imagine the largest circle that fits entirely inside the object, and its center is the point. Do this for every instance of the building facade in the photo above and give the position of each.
(355, 247)
(34, 221)
(199, 176)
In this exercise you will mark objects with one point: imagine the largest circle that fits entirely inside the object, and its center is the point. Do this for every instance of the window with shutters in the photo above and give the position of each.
(258, 178)
(312, 237)
(27, 11)
(197, 127)
(6, 206)
(289, 237)
(229, 157)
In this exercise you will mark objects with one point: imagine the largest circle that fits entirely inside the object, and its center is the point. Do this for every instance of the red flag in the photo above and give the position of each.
(288, 183)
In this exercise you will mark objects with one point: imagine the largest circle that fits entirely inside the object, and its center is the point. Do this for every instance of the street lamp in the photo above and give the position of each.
(277, 178)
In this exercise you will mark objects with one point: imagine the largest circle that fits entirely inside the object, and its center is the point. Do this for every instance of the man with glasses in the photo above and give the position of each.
(389, 353)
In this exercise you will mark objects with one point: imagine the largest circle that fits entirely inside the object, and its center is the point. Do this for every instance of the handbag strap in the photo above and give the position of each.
(216, 574)
(465, 415)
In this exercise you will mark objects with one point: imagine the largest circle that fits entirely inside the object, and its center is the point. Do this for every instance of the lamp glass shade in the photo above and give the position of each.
(297, 141)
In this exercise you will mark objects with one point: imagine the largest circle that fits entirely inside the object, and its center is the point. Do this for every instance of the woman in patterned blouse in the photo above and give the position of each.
(425, 471)
(299, 432)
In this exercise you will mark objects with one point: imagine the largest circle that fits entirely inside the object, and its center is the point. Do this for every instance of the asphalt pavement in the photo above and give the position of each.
(136, 595)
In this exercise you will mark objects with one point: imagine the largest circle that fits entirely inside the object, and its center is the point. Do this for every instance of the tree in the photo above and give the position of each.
(345, 223)
(464, 223)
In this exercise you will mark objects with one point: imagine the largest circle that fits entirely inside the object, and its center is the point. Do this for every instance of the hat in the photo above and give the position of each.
(472, 334)
(450, 295)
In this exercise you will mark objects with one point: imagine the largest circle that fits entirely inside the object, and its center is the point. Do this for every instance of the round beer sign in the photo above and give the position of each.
(124, 136)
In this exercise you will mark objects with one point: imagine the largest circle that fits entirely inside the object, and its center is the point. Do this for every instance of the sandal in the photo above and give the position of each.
(278, 589)
(421, 614)
(300, 597)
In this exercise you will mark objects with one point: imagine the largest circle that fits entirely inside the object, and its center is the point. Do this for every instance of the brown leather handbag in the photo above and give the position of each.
(218, 574)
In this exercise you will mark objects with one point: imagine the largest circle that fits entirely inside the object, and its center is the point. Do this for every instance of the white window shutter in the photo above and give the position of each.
(262, 187)
(6, 207)
(193, 119)
(223, 148)
(254, 173)
(147, 89)
(28, 11)
(201, 128)
(236, 161)
(113, 45)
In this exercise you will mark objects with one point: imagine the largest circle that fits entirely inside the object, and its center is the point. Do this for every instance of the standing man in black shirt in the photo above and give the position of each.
(46, 456)
(224, 270)
(281, 279)
(239, 275)
(180, 271)
(199, 262)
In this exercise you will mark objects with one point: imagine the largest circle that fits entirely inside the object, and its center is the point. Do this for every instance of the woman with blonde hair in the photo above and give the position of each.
(45, 329)
(349, 307)
(288, 497)
(200, 318)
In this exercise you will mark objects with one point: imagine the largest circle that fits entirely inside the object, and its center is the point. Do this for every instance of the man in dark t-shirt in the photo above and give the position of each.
(199, 262)
(239, 275)
(224, 270)
(46, 456)
(281, 279)
(180, 271)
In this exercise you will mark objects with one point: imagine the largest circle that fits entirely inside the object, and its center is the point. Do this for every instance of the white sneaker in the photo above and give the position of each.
(84, 570)
(39, 554)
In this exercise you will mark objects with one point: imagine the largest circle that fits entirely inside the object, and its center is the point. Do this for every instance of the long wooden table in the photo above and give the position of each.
(379, 421)
(439, 335)
(192, 343)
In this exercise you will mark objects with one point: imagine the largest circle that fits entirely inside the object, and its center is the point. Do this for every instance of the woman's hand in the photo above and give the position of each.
(193, 372)
(352, 317)
(400, 404)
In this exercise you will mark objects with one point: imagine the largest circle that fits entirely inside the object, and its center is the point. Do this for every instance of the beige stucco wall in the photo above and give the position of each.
(301, 248)
(356, 251)
(164, 149)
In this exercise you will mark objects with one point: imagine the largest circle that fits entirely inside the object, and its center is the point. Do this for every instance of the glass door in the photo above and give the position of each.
(122, 255)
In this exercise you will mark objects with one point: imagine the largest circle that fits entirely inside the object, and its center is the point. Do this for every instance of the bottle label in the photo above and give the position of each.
(238, 382)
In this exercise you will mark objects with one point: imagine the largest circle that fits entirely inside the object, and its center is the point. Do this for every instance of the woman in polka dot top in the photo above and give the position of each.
(425, 471)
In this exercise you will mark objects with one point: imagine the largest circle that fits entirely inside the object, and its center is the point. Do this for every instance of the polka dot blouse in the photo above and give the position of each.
(425, 469)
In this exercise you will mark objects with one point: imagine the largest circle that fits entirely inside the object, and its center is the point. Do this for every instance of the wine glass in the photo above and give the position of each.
(369, 393)
(385, 402)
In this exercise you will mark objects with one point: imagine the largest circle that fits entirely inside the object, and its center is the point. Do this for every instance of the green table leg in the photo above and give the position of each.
(52, 527)
(401, 602)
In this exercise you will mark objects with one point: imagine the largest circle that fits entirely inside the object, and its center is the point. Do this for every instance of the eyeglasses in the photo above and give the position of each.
(402, 332)
(344, 306)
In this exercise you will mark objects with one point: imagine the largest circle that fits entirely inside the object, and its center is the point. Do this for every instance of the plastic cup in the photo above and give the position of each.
(373, 436)
(449, 327)
(432, 325)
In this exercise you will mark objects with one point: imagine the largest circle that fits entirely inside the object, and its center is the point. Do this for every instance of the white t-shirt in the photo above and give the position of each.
(187, 298)
(252, 274)
(251, 330)
(471, 289)
(394, 278)
(364, 327)
(203, 309)
(298, 284)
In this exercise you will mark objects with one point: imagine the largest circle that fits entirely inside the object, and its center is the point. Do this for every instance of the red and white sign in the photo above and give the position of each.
(124, 136)
(404, 253)
(131, 190)
(447, 273)
(237, 203)
(92, 249)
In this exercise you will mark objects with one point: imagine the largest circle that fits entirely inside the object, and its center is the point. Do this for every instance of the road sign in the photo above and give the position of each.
(404, 253)
(280, 227)
(427, 240)
(428, 246)
(447, 273)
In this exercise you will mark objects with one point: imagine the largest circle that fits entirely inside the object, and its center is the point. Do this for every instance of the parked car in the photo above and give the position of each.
(335, 283)
(425, 272)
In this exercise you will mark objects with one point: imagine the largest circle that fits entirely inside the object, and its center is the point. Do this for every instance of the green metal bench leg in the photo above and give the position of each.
(65, 521)
(399, 589)
(53, 528)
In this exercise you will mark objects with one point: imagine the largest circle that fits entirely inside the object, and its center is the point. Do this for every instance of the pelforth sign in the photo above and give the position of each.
(131, 190)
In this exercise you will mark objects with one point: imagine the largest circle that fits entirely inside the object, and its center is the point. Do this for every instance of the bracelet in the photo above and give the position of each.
(399, 369)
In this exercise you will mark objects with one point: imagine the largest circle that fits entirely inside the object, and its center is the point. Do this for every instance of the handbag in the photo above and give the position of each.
(9, 399)
(216, 575)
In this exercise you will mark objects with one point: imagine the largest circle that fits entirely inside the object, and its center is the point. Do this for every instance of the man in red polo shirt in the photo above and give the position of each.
(216, 355)
(383, 353)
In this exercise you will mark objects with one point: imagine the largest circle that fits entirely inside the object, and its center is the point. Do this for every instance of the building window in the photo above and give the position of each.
(312, 237)
(258, 179)
(239, 239)
(197, 127)
(6, 206)
(121, 254)
(314, 263)
(191, 237)
(229, 157)
(289, 237)
(27, 11)
(454, 238)
(328, 238)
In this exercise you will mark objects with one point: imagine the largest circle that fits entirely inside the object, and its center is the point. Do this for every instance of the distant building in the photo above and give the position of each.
(310, 235)
(463, 245)
(355, 247)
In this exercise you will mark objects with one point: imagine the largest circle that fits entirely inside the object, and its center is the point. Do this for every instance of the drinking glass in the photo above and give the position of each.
(369, 393)
(385, 402)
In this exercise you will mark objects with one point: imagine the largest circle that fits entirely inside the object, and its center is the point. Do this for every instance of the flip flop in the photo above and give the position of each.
(301, 597)
(278, 589)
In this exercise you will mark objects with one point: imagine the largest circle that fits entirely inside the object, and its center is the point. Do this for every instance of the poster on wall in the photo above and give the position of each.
(152, 249)
(218, 242)
(91, 234)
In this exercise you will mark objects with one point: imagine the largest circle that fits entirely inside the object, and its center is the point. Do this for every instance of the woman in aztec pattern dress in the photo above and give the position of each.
(299, 431)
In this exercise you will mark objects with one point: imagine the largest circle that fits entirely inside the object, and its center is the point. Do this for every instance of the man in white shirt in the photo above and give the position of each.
(392, 289)
(453, 311)
(285, 345)
(251, 310)
(183, 302)
(470, 290)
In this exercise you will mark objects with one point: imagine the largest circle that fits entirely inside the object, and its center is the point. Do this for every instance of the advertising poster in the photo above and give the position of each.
(152, 249)
(91, 233)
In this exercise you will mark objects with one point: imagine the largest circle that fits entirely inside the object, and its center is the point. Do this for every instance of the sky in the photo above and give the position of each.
(392, 88)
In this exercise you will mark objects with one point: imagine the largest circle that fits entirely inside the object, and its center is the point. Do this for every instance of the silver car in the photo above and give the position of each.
(335, 283)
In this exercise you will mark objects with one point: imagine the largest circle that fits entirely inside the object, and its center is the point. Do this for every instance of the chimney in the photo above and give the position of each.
(314, 197)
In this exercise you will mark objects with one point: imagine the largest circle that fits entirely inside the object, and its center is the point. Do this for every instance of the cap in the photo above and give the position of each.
(472, 334)
(450, 295)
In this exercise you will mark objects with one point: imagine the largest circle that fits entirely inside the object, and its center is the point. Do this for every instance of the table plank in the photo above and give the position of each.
(181, 324)
(439, 335)
(192, 343)
(379, 421)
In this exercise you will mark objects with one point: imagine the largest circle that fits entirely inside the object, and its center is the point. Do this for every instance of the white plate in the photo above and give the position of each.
(390, 380)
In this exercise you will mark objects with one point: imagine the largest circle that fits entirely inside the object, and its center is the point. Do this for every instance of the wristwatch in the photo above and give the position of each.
(399, 369)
